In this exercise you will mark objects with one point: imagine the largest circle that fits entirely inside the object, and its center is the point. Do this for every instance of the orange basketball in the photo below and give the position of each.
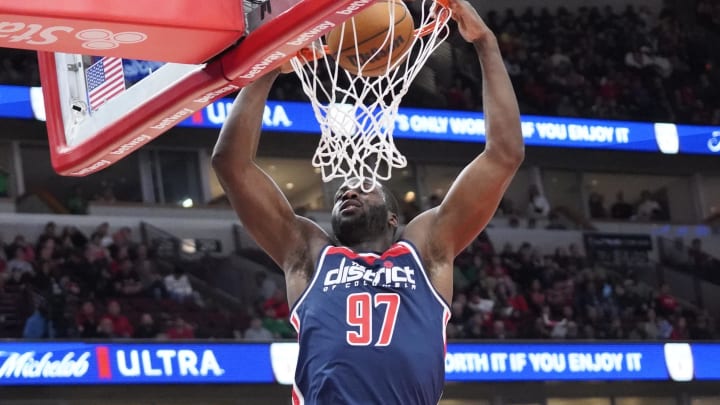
(374, 48)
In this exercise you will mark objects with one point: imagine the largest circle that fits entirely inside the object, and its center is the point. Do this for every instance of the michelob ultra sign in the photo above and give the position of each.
(68, 363)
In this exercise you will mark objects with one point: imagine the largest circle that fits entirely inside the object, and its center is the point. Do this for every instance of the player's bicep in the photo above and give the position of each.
(266, 213)
(469, 205)
(472, 200)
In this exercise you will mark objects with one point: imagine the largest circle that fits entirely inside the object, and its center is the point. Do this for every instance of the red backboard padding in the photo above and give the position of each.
(181, 31)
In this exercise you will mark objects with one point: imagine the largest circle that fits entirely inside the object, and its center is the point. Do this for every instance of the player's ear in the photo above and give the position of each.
(393, 220)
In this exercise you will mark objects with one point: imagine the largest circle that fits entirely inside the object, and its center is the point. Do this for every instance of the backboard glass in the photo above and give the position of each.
(207, 53)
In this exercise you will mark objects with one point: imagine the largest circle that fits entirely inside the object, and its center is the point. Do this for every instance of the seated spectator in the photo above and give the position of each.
(19, 269)
(620, 208)
(178, 285)
(538, 206)
(536, 296)
(266, 285)
(517, 301)
(680, 329)
(180, 330)
(665, 301)
(38, 325)
(146, 268)
(648, 208)
(278, 303)
(596, 205)
(147, 328)
(121, 326)
(698, 258)
(126, 281)
(256, 332)
(106, 330)
(651, 325)
(279, 327)
(87, 321)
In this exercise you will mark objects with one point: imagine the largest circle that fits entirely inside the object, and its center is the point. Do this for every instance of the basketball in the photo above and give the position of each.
(370, 30)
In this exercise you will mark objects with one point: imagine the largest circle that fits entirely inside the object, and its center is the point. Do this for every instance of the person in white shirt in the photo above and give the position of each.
(648, 208)
(538, 205)
(178, 285)
(257, 333)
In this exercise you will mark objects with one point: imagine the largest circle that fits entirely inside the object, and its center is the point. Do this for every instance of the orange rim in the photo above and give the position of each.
(442, 15)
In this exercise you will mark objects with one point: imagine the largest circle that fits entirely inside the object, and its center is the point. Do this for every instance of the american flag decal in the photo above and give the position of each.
(105, 80)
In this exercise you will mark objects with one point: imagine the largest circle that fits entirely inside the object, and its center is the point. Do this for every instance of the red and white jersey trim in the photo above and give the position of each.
(297, 396)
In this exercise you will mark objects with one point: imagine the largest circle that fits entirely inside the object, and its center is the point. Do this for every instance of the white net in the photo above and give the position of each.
(357, 113)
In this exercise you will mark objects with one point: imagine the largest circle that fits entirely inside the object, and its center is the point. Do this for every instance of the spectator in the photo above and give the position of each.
(126, 281)
(278, 303)
(266, 285)
(621, 209)
(680, 330)
(279, 327)
(146, 269)
(106, 329)
(652, 325)
(538, 206)
(666, 303)
(121, 326)
(180, 330)
(147, 328)
(648, 208)
(256, 332)
(86, 321)
(178, 285)
(38, 325)
(596, 205)
(19, 268)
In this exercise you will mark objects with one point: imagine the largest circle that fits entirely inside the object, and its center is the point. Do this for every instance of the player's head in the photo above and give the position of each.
(360, 216)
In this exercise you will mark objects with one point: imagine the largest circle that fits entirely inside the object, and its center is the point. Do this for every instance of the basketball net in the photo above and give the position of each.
(356, 113)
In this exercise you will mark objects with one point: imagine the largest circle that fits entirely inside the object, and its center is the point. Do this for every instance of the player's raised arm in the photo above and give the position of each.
(474, 196)
(258, 201)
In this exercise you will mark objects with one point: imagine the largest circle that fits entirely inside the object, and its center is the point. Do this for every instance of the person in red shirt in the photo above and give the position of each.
(680, 330)
(278, 302)
(666, 302)
(180, 330)
(517, 301)
(121, 324)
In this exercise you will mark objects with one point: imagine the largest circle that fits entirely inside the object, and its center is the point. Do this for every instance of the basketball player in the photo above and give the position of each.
(369, 304)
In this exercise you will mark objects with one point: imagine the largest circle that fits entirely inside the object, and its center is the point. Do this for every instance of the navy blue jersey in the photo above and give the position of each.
(371, 330)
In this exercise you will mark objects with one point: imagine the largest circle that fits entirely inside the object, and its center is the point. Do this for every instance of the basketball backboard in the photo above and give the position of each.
(209, 52)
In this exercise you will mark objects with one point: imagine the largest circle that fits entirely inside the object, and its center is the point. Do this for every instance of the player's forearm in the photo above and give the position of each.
(240, 134)
(502, 114)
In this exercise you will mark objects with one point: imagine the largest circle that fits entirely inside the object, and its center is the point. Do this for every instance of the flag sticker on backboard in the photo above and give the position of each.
(105, 80)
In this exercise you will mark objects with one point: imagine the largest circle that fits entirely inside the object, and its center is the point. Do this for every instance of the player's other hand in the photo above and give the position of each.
(471, 26)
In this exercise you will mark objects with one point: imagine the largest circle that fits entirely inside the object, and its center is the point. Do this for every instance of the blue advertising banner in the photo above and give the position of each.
(706, 361)
(546, 362)
(116, 363)
(34, 363)
(437, 125)
(15, 102)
